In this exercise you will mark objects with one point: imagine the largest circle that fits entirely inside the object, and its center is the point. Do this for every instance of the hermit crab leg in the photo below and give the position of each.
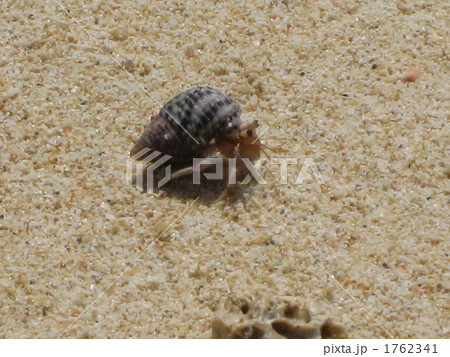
(199, 166)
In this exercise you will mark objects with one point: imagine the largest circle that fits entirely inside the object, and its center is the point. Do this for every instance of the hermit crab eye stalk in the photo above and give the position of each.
(249, 131)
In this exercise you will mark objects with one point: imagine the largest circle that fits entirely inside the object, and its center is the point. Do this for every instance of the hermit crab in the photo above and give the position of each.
(200, 122)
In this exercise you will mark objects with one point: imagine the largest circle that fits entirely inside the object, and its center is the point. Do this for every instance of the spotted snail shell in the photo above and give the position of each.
(189, 123)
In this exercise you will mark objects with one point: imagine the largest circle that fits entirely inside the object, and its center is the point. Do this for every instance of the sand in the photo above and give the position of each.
(369, 246)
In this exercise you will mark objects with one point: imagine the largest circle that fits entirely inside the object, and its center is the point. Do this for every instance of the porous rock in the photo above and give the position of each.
(271, 317)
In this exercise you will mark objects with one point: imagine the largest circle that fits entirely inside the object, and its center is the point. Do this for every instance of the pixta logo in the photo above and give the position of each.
(148, 169)
(141, 169)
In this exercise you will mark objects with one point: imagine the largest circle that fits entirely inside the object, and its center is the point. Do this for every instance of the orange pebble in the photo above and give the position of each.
(411, 75)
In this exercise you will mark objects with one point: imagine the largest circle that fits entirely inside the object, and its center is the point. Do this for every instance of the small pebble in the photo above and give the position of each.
(411, 75)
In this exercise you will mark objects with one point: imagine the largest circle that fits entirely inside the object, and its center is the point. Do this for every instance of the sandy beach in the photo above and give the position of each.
(361, 89)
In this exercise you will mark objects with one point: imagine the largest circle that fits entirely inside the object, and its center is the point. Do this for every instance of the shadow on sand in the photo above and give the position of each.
(208, 191)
